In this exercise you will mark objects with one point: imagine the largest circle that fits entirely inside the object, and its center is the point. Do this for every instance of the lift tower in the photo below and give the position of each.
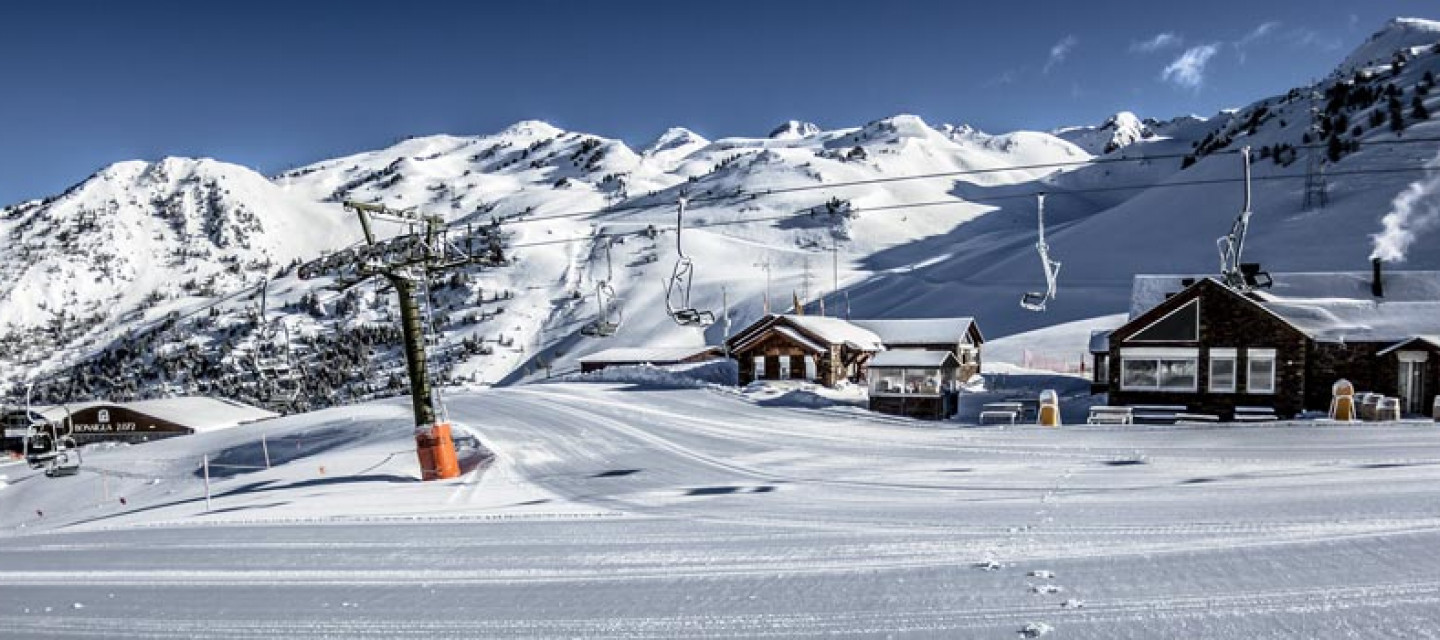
(407, 261)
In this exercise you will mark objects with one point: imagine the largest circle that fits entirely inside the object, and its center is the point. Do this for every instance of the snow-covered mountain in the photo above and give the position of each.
(826, 210)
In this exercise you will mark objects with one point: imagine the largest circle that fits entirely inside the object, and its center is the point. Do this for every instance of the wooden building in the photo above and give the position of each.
(915, 383)
(1195, 342)
(911, 366)
(794, 347)
(145, 420)
(656, 356)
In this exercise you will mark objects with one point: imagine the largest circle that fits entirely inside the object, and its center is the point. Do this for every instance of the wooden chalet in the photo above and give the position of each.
(912, 366)
(1194, 342)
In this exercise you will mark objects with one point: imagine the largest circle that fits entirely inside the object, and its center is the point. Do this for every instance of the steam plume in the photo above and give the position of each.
(1414, 210)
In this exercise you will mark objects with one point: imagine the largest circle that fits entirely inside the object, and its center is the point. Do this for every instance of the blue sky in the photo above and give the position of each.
(273, 85)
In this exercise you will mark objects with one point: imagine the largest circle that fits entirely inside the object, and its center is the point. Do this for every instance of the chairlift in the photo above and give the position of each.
(51, 445)
(684, 314)
(1035, 300)
(607, 322)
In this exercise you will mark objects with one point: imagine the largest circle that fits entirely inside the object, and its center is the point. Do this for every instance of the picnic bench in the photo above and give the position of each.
(1157, 413)
(1008, 411)
(1102, 414)
(1255, 414)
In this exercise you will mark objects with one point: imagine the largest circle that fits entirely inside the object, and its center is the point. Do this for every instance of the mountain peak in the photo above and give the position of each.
(1398, 34)
(674, 138)
(532, 128)
(793, 130)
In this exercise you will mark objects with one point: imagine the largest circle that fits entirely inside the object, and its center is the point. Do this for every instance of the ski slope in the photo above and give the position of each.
(635, 511)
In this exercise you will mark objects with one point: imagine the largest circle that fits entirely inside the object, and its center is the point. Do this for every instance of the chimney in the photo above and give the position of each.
(1377, 289)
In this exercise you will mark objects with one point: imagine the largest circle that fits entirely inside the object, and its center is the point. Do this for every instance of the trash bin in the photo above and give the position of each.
(1048, 415)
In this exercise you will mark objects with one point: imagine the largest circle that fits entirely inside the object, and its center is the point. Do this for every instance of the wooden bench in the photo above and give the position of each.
(1029, 407)
(1196, 418)
(1009, 411)
(1157, 413)
(1255, 414)
(1101, 414)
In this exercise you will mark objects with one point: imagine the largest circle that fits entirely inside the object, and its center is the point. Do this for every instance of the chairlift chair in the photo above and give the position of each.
(684, 314)
(611, 315)
(51, 446)
(1035, 300)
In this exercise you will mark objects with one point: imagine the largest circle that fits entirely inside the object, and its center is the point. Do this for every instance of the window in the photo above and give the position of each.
(1222, 371)
(1101, 373)
(887, 381)
(809, 367)
(759, 367)
(1260, 371)
(784, 367)
(1159, 369)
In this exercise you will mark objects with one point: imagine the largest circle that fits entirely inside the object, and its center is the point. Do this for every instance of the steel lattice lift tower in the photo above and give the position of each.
(407, 261)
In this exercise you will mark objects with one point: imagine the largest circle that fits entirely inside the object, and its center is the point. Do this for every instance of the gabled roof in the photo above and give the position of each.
(197, 412)
(1329, 306)
(913, 358)
(921, 331)
(647, 354)
(1432, 341)
(837, 331)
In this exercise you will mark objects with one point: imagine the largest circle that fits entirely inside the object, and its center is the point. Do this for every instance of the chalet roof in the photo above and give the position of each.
(647, 354)
(800, 339)
(1432, 341)
(837, 331)
(1100, 341)
(1330, 306)
(919, 331)
(912, 358)
(196, 412)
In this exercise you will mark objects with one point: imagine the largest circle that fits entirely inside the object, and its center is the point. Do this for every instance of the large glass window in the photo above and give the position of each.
(759, 367)
(887, 381)
(809, 367)
(784, 367)
(1222, 371)
(1144, 370)
(1260, 373)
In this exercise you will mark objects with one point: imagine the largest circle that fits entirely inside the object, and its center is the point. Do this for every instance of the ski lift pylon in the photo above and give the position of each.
(1035, 300)
(684, 314)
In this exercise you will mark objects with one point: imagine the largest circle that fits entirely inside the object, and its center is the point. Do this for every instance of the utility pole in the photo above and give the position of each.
(806, 277)
(835, 269)
(765, 264)
(402, 260)
(1315, 186)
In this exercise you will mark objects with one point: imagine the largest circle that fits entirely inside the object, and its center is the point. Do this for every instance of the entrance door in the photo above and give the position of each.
(1412, 381)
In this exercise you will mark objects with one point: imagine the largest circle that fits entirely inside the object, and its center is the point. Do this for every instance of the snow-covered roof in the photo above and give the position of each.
(912, 358)
(1330, 306)
(800, 339)
(647, 354)
(1433, 341)
(196, 412)
(1099, 341)
(918, 331)
(837, 331)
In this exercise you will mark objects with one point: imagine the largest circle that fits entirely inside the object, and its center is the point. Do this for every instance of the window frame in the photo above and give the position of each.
(1231, 356)
(1253, 356)
(1160, 356)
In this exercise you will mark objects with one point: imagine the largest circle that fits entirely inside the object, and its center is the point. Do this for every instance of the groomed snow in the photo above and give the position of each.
(627, 511)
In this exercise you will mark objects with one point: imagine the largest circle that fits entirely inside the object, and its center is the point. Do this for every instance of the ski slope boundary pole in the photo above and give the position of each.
(205, 462)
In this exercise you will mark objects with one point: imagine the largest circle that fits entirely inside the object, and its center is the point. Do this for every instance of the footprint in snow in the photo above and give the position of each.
(1046, 589)
(1035, 630)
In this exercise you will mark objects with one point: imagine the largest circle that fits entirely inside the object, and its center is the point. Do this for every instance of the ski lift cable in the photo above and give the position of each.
(928, 176)
(954, 202)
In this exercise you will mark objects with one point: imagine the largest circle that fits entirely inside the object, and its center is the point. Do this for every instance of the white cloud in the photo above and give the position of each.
(1164, 40)
(1260, 31)
(1060, 51)
(1188, 70)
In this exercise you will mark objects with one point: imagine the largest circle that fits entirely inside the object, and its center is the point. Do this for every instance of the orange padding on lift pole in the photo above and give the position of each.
(437, 453)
